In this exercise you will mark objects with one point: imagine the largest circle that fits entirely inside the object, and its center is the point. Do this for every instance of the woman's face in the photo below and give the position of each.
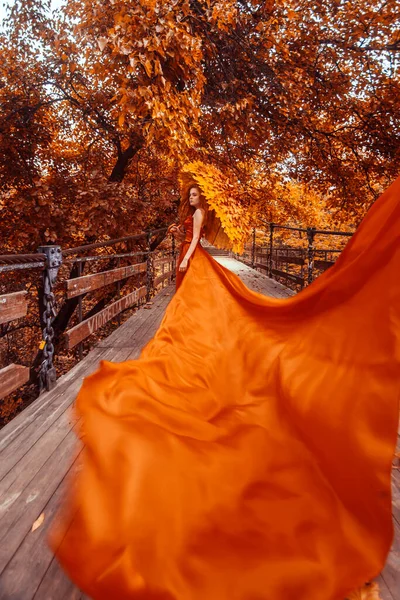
(194, 197)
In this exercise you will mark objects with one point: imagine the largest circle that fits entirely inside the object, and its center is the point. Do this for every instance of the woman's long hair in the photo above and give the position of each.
(185, 209)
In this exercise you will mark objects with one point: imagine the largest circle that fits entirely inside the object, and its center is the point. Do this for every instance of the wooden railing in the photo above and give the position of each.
(63, 296)
(12, 307)
(295, 266)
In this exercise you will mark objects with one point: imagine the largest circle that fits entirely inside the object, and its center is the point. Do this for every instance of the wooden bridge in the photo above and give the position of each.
(38, 450)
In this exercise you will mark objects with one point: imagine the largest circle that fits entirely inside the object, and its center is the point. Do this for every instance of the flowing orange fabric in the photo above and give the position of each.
(247, 454)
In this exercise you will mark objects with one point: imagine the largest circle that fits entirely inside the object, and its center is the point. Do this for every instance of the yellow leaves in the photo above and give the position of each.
(39, 521)
(368, 592)
(223, 197)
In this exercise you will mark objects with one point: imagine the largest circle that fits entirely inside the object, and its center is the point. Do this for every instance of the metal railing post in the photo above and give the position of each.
(80, 315)
(119, 290)
(47, 373)
(271, 246)
(253, 248)
(149, 269)
(310, 254)
(173, 253)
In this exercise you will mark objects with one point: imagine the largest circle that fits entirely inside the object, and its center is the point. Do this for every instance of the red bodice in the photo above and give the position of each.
(188, 225)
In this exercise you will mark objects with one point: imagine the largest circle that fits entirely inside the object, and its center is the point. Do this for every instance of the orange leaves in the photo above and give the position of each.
(148, 67)
(121, 119)
(224, 14)
(269, 92)
(155, 56)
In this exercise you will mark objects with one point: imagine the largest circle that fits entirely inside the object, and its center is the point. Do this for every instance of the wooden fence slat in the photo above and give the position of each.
(161, 278)
(89, 283)
(294, 260)
(323, 264)
(246, 261)
(83, 330)
(296, 278)
(259, 265)
(11, 378)
(12, 306)
(163, 260)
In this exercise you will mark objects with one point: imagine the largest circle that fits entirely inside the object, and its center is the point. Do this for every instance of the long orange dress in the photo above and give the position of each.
(188, 225)
(247, 454)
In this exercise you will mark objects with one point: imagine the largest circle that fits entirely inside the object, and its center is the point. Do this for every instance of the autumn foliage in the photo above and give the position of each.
(294, 105)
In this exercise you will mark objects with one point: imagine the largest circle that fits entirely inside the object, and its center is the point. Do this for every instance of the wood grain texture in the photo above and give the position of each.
(288, 276)
(162, 278)
(293, 260)
(12, 306)
(83, 330)
(11, 378)
(89, 283)
(323, 265)
(162, 261)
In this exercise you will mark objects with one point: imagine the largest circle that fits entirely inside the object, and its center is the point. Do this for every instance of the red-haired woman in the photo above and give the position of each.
(192, 221)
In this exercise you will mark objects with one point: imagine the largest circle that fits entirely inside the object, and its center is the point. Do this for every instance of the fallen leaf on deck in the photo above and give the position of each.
(38, 522)
(367, 592)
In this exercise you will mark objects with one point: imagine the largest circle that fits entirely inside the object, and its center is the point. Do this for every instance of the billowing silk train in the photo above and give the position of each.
(247, 454)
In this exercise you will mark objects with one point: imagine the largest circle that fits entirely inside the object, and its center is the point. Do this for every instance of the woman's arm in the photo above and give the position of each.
(177, 232)
(198, 219)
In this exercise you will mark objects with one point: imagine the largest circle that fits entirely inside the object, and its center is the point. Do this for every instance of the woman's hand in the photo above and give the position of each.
(184, 265)
(177, 232)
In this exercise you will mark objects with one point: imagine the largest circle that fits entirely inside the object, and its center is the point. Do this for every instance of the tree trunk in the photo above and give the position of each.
(124, 158)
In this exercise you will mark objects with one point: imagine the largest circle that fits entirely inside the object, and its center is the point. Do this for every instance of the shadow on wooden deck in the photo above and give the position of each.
(38, 449)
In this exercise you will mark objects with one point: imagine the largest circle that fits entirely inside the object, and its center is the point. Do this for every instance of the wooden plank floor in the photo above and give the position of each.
(38, 450)
(254, 279)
